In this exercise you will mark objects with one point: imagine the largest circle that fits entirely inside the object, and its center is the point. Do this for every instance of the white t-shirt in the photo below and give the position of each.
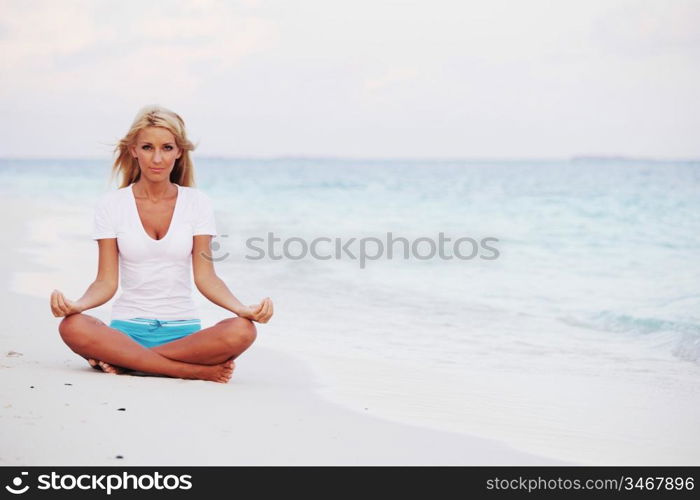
(155, 275)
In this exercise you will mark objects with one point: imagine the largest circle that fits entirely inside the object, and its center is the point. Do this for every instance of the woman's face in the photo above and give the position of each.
(156, 151)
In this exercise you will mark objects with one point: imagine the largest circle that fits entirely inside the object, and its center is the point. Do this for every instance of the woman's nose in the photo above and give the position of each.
(157, 157)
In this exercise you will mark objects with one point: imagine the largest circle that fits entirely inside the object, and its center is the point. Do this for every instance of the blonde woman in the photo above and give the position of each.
(156, 230)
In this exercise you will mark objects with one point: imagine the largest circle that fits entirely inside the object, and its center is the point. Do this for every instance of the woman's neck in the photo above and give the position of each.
(154, 191)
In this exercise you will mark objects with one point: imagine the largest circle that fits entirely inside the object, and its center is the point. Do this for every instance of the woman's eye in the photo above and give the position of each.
(168, 148)
(146, 147)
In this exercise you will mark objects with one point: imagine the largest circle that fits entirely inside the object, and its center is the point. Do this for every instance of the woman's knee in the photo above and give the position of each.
(71, 331)
(240, 331)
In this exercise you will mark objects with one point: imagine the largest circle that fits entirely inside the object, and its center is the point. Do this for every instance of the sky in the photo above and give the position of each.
(378, 78)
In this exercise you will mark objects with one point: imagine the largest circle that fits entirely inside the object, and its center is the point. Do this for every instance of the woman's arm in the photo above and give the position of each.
(214, 289)
(100, 291)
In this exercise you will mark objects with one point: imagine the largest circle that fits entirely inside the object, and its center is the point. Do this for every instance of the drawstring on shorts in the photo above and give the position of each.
(155, 325)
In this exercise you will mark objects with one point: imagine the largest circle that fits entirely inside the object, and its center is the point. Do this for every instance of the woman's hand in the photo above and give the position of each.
(61, 306)
(260, 312)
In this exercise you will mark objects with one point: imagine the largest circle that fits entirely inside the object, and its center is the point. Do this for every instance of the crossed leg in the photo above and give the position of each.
(208, 357)
(225, 340)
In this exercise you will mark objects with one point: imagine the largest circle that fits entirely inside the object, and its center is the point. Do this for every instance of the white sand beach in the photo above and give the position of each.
(56, 410)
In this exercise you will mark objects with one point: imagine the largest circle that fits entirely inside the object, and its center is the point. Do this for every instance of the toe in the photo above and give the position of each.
(106, 367)
(95, 364)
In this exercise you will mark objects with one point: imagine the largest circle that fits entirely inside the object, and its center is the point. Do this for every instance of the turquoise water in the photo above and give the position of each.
(600, 254)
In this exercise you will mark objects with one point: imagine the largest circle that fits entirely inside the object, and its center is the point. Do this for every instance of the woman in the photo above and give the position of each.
(150, 230)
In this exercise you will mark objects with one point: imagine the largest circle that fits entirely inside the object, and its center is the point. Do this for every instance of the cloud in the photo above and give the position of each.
(647, 27)
(390, 78)
(139, 47)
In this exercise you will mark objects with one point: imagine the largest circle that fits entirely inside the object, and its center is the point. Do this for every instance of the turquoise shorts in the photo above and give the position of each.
(153, 332)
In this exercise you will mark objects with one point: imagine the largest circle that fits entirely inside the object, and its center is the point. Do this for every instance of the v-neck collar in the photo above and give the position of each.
(172, 218)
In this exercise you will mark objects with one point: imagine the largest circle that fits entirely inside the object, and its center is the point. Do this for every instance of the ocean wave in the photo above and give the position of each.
(683, 338)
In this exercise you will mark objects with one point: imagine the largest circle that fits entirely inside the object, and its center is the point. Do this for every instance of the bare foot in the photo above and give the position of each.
(105, 367)
(215, 373)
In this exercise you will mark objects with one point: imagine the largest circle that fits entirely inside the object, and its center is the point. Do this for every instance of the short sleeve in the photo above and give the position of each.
(103, 225)
(204, 221)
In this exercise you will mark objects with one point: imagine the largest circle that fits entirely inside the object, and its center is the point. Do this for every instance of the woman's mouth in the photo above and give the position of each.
(157, 170)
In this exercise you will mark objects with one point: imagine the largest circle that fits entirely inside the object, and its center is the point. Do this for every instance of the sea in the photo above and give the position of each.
(552, 304)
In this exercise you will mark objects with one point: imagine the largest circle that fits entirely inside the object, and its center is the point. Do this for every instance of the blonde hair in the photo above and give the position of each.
(127, 167)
